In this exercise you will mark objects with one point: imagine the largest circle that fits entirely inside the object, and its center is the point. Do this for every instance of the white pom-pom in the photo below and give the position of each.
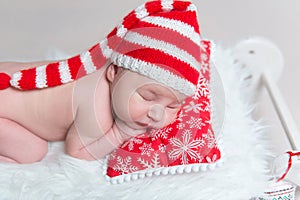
(134, 177)
(165, 171)
(173, 170)
(204, 167)
(180, 169)
(127, 178)
(196, 168)
(188, 169)
(157, 173)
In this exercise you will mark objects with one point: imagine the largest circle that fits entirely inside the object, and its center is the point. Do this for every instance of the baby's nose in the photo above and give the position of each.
(156, 112)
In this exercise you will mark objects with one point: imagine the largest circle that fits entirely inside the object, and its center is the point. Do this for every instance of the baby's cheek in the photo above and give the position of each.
(137, 108)
(171, 116)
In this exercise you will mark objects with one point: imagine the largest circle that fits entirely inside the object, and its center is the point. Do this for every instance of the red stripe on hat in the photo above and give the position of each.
(27, 81)
(74, 64)
(153, 7)
(130, 20)
(181, 5)
(97, 57)
(113, 42)
(160, 59)
(170, 36)
(53, 75)
(188, 17)
(112, 33)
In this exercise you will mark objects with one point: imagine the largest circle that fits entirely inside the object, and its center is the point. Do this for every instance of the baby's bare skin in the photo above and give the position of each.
(49, 113)
(37, 110)
(80, 113)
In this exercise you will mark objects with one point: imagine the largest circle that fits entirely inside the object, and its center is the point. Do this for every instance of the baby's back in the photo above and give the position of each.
(47, 112)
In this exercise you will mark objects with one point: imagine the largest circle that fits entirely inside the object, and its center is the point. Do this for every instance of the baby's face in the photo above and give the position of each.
(143, 103)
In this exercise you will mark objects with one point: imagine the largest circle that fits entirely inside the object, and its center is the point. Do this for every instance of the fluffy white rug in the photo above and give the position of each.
(242, 175)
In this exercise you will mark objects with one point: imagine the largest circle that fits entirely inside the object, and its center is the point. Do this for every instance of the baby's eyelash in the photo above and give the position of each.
(175, 106)
(147, 97)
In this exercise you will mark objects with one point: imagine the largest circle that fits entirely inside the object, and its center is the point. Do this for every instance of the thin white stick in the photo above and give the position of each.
(283, 112)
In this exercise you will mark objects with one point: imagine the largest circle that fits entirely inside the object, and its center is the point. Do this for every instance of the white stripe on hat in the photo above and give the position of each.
(167, 5)
(87, 62)
(121, 31)
(176, 25)
(64, 72)
(163, 46)
(40, 79)
(192, 7)
(154, 72)
(141, 12)
(15, 78)
(106, 51)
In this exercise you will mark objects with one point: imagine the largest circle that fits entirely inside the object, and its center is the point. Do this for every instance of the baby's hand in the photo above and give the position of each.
(126, 132)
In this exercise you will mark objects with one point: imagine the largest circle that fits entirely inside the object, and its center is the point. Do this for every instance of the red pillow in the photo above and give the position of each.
(188, 144)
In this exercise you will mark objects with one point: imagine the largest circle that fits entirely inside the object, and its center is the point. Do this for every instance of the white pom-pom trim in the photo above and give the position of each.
(182, 169)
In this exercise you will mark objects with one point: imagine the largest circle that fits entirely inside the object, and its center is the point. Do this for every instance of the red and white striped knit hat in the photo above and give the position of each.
(159, 39)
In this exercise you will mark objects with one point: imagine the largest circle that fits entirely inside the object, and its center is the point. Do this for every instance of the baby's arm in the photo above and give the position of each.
(90, 148)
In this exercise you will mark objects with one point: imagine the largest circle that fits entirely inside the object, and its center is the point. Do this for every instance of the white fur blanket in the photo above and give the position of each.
(242, 175)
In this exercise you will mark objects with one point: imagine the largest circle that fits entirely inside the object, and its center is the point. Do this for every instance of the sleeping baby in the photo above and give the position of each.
(134, 80)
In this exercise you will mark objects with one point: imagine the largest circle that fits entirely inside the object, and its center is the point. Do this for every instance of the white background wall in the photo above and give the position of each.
(29, 29)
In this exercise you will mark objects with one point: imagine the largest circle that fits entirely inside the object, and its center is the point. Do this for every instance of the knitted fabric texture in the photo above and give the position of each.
(159, 39)
(186, 145)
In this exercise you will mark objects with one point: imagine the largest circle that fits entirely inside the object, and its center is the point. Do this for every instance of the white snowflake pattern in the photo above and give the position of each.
(112, 155)
(180, 126)
(203, 46)
(202, 88)
(146, 149)
(154, 164)
(180, 116)
(162, 148)
(207, 106)
(195, 123)
(186, 147)
(204, 67)
(130, 143)
(208, 121)
(212, 159)
(196, 108)
(204, 63)
(204, 57)
(124, 165)
(160, 133)
(211, 140)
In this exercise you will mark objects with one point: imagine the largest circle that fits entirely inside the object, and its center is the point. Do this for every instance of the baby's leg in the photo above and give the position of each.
(19, 145)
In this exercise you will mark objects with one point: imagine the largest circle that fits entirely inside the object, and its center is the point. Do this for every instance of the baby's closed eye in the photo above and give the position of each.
(174, 106)
(147, 96)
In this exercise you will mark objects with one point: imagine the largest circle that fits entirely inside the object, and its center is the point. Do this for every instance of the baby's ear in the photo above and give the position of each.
(111, 72)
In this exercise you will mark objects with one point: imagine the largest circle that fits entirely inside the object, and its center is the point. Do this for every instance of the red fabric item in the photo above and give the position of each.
(75, 64)
(28, 79)
(169, 36)
(97, 56)
(53, 75)
(4, 81)
(160, 59)
(173, 23)
(188, 140)
(290, 163)
(153, 7)
(188, 18)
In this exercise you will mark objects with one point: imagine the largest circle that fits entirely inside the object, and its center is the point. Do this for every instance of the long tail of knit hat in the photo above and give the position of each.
(159, 39)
